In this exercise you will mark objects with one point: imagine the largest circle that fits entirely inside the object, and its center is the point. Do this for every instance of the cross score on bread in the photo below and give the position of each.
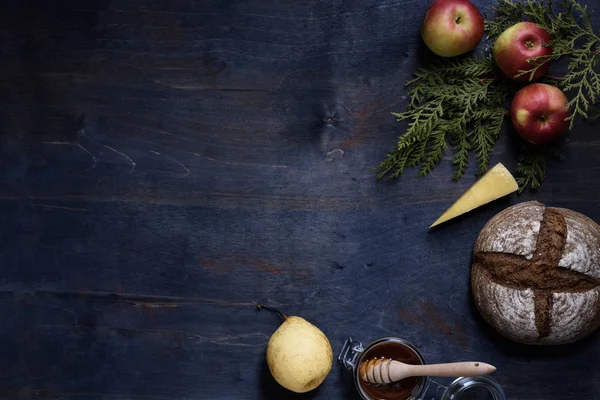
(540, 272)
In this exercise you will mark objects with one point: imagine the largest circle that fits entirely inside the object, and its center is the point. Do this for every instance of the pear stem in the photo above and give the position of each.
(276, 311)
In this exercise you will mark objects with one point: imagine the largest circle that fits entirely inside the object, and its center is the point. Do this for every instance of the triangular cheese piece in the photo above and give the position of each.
(497, 182)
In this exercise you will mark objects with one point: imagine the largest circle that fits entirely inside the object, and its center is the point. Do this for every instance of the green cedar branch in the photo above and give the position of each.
(532, 165)
(459, 105)
(569, 26)
(572, 37)
(456, 105)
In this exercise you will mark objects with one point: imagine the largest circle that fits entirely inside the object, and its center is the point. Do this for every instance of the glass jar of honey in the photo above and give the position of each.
(353, 354)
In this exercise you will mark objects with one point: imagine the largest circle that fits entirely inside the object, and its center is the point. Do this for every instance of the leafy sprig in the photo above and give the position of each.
(509, 12)
(460, 105)
(572, 37)
(532, 166)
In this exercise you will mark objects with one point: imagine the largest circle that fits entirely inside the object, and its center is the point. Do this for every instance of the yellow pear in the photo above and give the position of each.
(299, 355)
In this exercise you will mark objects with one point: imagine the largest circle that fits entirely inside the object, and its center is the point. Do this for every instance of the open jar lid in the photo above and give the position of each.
(465, 388)
(475, 388)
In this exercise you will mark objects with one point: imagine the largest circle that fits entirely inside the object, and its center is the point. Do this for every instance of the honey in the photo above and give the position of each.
(354, 354)
(402, 390)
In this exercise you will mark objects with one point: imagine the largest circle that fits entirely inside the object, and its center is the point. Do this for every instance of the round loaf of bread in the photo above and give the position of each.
(536, 274)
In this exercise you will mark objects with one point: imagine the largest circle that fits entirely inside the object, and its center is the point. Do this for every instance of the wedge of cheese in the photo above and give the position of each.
(497, 182)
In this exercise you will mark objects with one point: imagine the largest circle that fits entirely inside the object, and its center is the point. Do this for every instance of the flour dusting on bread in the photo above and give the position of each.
(536, 274)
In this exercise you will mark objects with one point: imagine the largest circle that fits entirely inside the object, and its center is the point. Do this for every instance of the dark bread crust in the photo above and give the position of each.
(516, 277)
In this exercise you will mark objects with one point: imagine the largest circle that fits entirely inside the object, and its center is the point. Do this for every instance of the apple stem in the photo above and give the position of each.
(276, 311)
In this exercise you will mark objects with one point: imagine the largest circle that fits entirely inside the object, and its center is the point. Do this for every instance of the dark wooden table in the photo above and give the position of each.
(165, 165)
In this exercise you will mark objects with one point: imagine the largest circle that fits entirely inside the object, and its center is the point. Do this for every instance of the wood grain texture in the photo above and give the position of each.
(165, 165)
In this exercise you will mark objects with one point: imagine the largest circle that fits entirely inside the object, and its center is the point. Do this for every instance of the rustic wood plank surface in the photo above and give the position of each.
(165, 165)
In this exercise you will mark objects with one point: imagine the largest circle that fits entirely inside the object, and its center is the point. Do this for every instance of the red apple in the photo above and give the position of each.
(452, 27)
(519, 43)
(539, 113)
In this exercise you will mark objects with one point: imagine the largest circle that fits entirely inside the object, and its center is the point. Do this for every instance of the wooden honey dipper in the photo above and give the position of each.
(385, 370)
